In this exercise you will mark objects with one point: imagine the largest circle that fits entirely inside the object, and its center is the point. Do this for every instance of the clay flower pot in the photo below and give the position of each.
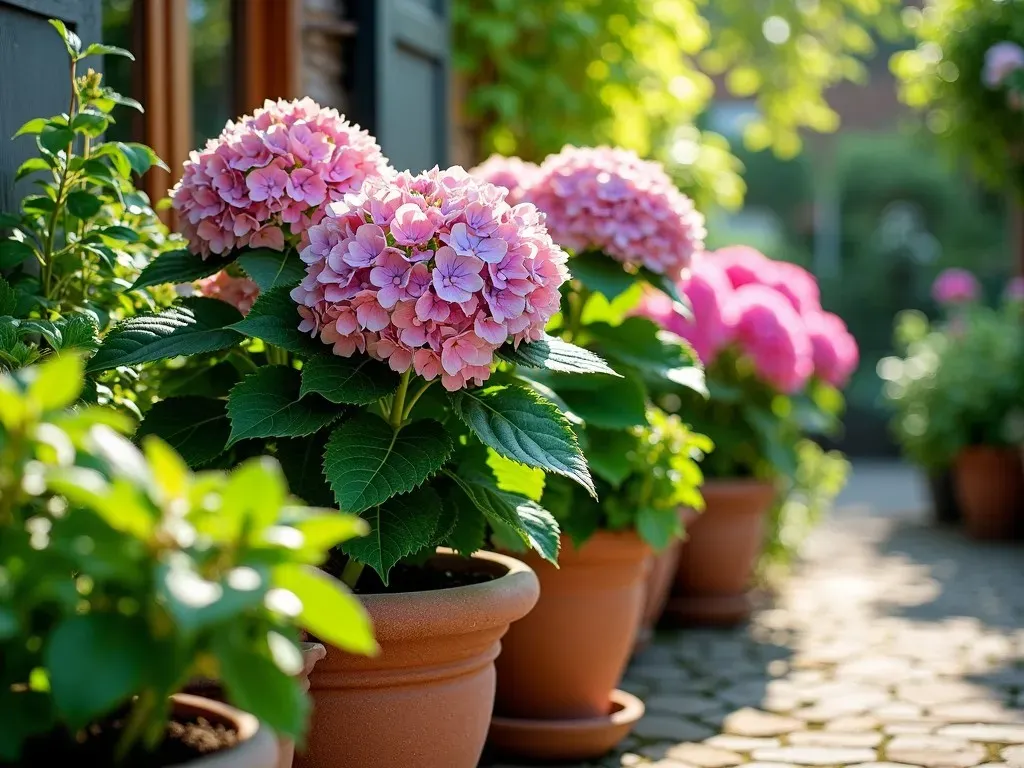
(717, 559)
(425, 700)
(257, 747)
(311, 654)
(990, 489)
(560, 665)
(659, 583)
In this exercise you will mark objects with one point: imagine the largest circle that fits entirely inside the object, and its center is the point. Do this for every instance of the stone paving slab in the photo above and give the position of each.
(894, 644)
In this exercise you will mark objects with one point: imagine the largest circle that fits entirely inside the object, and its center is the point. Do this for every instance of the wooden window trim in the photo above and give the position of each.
(267, 64)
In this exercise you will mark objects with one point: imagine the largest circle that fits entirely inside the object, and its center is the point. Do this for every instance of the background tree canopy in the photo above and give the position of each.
(635, 73)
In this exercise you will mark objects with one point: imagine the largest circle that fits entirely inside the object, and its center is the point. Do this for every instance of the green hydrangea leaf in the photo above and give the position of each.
(367, 462)
(521, 425)
(399, 527)
(267, 403)
(357, 380)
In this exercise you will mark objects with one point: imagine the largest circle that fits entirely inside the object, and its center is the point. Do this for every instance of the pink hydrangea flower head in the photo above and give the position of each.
(743, 265)
(466, 273)
(834, 349)
(1014, 292)
(263, 182)
(707, 289)
(514, 174)
(609, 200)
(768, 330)
(796, 284)
(1001, 60)
(239, 292)
(955, 286)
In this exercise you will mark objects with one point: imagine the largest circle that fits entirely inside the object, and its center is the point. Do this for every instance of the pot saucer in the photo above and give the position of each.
(707, 610)
(579, 739)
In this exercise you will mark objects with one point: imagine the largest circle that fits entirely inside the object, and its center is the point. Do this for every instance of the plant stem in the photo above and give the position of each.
(397, 416)
(47, 271)
(577, 301)
(351, 572)
(414, 399)
(137, 720)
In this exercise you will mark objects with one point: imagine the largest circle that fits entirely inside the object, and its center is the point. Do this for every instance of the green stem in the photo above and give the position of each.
(397, 417)
(47, 271)
(415, 398)
(577, 301)
(136, 726)
(351, 572)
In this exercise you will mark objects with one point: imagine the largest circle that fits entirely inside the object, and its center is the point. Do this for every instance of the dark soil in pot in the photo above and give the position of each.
(187, 739)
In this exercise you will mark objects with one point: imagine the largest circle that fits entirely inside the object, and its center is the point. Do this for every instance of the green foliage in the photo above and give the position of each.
(540, 74)
(959, 385)
(820, 476)
(80, 240)
(268, 403)
(124, 575)
(368, 461)
(519, 424)
(943, 77)
(348, 380)
(191, 327)
(399, 527)
(645, 475)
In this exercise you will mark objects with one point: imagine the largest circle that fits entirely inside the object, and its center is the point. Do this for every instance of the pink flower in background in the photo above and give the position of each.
(834, 349)
(955, 286)
(264, 180)
(742, 264)
(609, 200)
(708, 290)
(796, 284)
(769, 331)
(239, 292)
(1001, 60)
(1014, 290)
(510, 172)
(467, 273)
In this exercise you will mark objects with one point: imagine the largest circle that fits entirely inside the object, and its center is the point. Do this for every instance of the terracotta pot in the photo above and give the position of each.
(990, 489)
(257, 747)
(564, 660)
(659, 583)
(311, 654)
(942, 489)
(717, 560)
(426, 699)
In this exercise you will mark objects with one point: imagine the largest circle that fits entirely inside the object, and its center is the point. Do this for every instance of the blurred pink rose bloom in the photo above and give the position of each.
(955, 286)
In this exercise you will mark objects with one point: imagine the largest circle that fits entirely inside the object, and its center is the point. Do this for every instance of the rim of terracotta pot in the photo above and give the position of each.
(429, 613)
(257, 747)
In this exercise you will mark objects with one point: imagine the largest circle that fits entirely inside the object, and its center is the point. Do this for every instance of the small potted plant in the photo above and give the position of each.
(773, 361)
(370, 364)
(958, 396)
(909, 389)
(125, 576)
(626, 225)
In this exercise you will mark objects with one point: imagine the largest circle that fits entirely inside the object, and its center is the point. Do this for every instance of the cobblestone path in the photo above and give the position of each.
(893, 644)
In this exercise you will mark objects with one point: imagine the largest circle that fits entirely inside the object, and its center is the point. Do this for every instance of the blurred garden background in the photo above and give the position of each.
(797, 125)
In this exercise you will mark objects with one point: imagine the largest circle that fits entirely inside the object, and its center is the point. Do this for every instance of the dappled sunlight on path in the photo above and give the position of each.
(894, 642)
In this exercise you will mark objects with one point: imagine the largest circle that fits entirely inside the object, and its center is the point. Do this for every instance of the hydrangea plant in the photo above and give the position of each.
(625, 224)
(123, 575)
(775, 360)
(372, 298)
